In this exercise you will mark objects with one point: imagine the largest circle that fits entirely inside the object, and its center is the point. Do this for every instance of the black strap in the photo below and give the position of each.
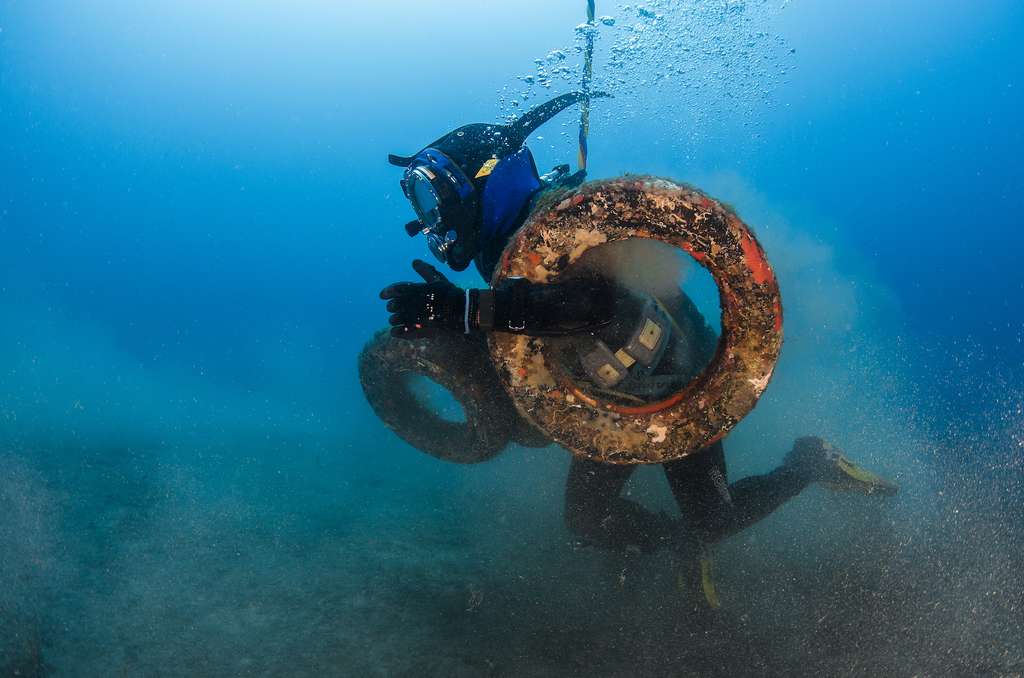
(485, 310)
(518, 290)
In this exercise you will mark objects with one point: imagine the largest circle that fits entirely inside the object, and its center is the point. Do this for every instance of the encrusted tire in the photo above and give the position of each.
(557, 234)
(461, 365)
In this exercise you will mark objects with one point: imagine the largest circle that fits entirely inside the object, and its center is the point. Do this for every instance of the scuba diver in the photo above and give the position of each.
(471, 190)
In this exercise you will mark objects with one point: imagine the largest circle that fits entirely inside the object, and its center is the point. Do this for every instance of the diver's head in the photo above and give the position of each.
(446, 182)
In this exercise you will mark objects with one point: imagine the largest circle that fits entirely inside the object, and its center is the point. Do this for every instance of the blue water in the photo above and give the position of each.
(196, 216)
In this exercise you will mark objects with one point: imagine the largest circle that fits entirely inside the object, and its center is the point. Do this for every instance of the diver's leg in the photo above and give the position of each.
(755, 497)
(712, 508)
(700, 487)
(812, 460)
(596, 513)
(698, 483)
(717, 510)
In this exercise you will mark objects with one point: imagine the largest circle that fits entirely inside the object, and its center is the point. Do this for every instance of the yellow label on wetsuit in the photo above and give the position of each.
(486, 168)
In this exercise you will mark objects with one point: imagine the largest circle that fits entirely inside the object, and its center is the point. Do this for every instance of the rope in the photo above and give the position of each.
(588, 72)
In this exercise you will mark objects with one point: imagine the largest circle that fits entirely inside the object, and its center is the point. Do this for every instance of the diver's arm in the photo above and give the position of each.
(517, 306)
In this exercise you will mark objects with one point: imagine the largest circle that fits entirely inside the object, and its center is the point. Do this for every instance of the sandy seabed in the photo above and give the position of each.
(294, 561)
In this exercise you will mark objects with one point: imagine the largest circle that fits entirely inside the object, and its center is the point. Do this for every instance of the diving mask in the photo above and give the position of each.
(445, 202)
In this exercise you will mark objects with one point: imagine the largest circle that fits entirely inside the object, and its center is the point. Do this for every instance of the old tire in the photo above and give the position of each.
(461, 365)
(558, 232)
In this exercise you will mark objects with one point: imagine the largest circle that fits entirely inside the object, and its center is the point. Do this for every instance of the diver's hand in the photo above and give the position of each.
(421, 309)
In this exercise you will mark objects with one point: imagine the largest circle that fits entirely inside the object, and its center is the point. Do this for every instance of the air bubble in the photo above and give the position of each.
(692, 65)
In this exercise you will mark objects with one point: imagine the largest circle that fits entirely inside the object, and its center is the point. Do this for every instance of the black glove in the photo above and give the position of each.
(421, 309)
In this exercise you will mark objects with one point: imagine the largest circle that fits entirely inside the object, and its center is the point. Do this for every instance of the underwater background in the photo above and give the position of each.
(196, 216)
